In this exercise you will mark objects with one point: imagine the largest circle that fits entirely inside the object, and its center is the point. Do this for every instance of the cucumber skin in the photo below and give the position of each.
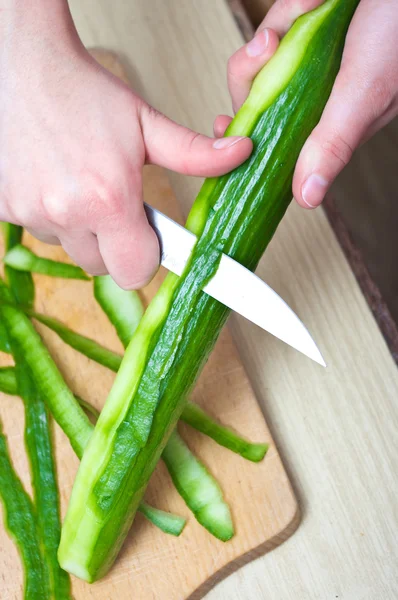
(21, 524)
(243, 210)
(21, 283)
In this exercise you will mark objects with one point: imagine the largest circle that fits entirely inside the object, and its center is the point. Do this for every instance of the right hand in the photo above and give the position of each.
(74, 140)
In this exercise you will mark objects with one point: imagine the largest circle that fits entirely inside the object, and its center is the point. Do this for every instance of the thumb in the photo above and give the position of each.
(127, 243)
(343, 126)
(180, 149)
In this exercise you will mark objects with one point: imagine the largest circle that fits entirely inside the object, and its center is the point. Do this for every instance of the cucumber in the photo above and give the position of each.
(124, 310)
(236, 214)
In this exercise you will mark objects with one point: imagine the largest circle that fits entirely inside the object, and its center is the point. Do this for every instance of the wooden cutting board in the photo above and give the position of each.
(153, 565)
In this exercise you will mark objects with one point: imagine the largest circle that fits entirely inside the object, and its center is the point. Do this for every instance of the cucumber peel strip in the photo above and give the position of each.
(21, 258)
(21, 524)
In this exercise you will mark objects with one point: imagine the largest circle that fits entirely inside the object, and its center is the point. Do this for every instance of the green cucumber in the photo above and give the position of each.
(236, 214)
(21, 258)
(123, 308)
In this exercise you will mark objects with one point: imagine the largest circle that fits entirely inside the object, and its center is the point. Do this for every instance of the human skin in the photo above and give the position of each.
(73, 143)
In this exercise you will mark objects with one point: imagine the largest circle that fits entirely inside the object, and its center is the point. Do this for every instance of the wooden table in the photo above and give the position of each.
(336, 428)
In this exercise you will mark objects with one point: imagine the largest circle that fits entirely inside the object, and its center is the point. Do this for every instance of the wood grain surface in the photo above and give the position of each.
(152, 564)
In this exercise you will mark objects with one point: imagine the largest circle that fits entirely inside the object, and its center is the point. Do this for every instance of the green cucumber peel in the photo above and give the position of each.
(21, 524)
(39, 448)
(46, 498)
(197, 418)
(85, 345)
(124, 309)
(21, 283)
(46, 377)
(8, 381)
(167, 522)
(21, 258)
(198, 488)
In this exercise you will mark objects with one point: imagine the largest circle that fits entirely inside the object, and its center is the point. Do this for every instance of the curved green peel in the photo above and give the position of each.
(21, 258)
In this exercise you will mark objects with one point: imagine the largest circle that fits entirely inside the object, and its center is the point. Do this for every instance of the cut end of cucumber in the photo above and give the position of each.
(75, 569)
(255, 452)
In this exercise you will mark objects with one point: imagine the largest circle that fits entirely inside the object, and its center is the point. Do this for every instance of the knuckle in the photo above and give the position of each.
(54, 208)
(23, 213)
(337, 147)
(102, 201)
(189, 142)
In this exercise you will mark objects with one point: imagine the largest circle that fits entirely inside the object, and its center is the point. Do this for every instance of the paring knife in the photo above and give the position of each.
(234, 286)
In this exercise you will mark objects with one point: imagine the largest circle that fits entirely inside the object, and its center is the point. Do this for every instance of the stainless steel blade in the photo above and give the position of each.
(235, 286)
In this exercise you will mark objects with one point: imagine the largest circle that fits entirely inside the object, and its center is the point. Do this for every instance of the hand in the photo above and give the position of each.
(363, 100)
(74, 141)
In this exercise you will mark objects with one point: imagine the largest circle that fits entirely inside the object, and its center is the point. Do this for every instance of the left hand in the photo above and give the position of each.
(363, 100)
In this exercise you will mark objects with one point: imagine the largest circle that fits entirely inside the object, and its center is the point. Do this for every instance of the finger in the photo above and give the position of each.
(44, 237)
(343, 126)
(220, 125)
(83, 250)
(244, 65)
(362, 100)
(283, 13)
(129, 246)
(180, 149)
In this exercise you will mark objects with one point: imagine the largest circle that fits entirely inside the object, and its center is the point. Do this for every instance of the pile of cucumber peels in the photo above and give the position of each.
(34, 524)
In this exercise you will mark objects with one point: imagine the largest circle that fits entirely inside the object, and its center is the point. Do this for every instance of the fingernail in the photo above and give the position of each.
(226, 142)
(314, 189)
(258, 44)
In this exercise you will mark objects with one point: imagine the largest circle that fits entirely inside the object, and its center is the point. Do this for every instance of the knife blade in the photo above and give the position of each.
(234, 286)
